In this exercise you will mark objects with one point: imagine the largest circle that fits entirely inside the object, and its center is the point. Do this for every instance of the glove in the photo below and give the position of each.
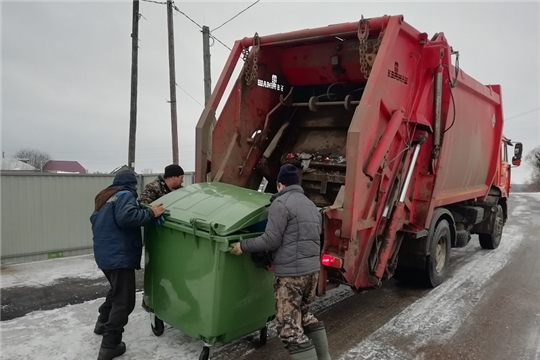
(160, 220)
(236, 249)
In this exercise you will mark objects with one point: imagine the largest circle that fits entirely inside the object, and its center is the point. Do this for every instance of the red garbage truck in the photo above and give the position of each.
(401, 149)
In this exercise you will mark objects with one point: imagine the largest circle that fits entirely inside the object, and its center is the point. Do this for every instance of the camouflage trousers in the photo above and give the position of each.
(294, 296)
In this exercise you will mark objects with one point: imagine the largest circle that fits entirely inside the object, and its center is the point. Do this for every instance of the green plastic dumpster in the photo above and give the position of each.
(191, 281)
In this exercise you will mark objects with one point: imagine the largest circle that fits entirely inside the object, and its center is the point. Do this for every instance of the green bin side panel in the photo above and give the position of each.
(225, 207)
(204, 292)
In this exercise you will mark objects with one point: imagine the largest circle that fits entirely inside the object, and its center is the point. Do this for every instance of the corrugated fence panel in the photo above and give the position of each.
(46, 213)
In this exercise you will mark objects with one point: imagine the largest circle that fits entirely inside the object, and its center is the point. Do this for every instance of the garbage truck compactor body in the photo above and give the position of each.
(401, 149)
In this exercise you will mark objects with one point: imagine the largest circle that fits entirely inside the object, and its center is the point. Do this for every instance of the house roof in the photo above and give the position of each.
(14, 164)
(64, 166)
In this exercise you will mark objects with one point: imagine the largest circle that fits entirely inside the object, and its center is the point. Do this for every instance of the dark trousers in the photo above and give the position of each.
(119, 303)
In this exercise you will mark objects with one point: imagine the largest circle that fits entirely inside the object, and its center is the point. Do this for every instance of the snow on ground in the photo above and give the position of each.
(535, 195)
(47, 272)
(67, 333)
(438, 315)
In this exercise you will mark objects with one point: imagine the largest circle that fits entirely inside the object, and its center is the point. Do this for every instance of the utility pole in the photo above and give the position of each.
(207, 85)
(172, 80)
(134, 71)
(206, 61)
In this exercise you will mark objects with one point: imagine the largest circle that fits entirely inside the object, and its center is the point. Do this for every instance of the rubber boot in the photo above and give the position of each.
(111, 353)
(111, 345)
(317, 333)
(99, 329)
(304, 351)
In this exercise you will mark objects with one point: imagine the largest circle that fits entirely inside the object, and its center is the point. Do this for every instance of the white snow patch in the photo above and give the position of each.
(47, 272)
(520, 210)
(520, 195)
(67, 334)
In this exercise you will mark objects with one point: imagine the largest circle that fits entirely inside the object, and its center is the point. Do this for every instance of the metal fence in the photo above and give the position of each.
(47, 215)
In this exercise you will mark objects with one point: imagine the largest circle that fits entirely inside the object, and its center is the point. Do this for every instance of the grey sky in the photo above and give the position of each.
(66, 68)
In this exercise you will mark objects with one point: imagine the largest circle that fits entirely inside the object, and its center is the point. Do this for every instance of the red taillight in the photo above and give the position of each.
(329, 260)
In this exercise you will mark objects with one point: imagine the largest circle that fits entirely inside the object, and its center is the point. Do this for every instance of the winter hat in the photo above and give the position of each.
(288, 175)
(125, 178)
(173, 170)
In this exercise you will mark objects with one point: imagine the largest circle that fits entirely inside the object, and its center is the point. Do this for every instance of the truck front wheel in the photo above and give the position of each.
(439, 254)
(493, 240)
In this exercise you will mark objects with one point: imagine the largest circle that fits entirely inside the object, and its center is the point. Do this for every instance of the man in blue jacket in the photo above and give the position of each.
(116, 226)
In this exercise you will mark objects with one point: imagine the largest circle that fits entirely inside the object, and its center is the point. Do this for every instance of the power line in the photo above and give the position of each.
(200, 26)
(235, 16)
(196, 23)
(156, 2)
(188, 94)
(525, 113)
(219, 41)
(183, 13)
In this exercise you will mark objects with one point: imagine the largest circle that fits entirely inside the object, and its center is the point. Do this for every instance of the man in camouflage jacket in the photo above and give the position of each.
(171, 180)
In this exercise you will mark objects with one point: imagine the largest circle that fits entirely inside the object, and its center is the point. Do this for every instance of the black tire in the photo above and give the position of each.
(159, 328)
(439, 254)
(205, 353)
(263, 336)
(404, 274)
(492, 241)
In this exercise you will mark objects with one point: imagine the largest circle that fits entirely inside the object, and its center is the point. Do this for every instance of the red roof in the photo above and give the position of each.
(64, 166)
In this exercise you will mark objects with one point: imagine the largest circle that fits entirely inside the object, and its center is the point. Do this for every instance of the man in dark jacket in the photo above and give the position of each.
(293, 235)
(172, 179)
(116, 226)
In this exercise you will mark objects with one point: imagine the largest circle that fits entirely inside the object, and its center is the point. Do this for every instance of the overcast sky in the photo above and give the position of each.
(66, 68)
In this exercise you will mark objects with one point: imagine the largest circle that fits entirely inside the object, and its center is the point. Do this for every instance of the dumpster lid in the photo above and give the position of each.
(228, 208)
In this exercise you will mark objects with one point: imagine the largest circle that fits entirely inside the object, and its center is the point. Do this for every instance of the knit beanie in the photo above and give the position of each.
(288, 175)
(173, 170)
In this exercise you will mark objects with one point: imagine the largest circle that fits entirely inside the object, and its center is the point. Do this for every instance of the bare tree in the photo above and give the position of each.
(533, 158)
(146, 171)
(36, 158)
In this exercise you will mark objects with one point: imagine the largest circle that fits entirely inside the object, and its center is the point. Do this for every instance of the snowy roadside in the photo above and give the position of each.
(66, 333)
(47, 272)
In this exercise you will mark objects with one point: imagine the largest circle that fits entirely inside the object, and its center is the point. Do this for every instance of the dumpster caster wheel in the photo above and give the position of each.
(158, 327)
(205, 353)
(263, 336)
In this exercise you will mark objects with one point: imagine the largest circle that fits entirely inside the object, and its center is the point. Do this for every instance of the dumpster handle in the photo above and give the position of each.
(240, 238)
(193, 223)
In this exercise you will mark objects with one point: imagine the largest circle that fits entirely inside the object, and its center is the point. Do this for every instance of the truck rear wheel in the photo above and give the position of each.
(492, 241)
(439, 254)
